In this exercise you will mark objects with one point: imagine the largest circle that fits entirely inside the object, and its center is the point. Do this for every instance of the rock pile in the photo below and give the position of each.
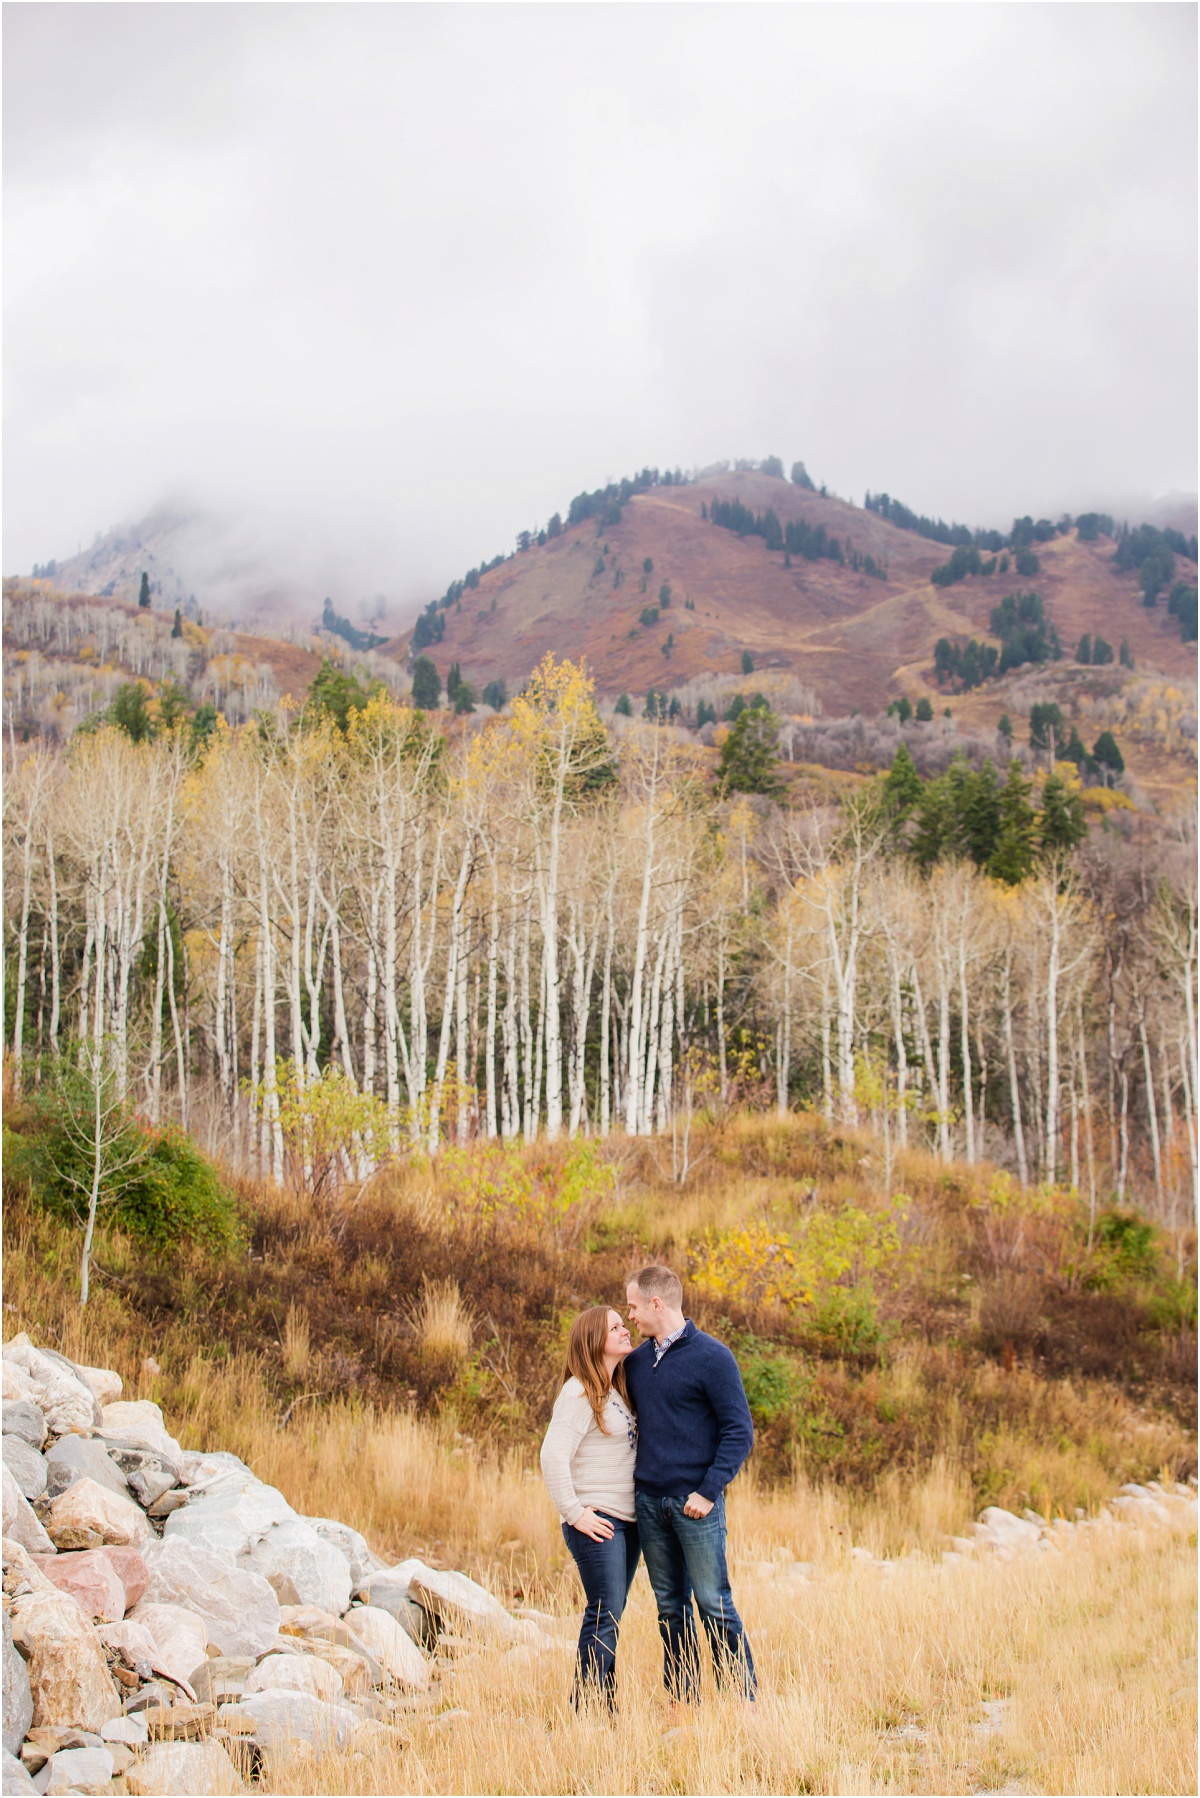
(169, 1619)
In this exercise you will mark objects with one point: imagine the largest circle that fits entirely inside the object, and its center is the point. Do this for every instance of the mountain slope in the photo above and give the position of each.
(854, 639)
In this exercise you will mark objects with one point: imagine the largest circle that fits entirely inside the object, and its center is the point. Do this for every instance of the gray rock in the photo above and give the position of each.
(16, 1779)
(18, 1699)
(149, 1473)
(26, 1466)
(389, 1592)
(23, 1418)
(353, 1548)
(81, 1457)
(278, 1718)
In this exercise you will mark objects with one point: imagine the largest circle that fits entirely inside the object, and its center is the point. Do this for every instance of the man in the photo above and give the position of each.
(694, 1432)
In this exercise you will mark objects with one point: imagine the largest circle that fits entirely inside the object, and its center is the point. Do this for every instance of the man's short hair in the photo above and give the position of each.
(660, 1283)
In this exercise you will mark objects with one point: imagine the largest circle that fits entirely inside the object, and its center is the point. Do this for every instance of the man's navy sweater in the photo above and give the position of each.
(694, 1428)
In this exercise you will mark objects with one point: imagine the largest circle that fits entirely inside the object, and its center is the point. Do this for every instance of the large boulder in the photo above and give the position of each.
(452, 1596)
(186, 1769)
(140, 1420)
(283, 1719)
(392, 1646)
(240, 1611)
(18, 1699)
(91, 1580)
(179, 1637)
(23, 1418)
(87, 1515)
(60, 1395)
(300, 1566)
(333, 1639)
(26, 1466)
(295, 1673)
(68, 1673)
(354, 1549)
(104, 1385)
(74, 1458)
(20, 1523)
(228, 1516)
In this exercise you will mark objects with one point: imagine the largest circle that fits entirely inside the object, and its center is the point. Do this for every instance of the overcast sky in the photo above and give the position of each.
(401, 279)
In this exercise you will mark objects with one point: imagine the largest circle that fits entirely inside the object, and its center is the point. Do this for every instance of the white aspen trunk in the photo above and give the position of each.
(254, 1110)
(527, 1091)
(605, 1016)
(341, 1029)
(453, 955)
(1014, 1089)
(897, 1006)
(489, 1046)
(633, 1095)
(1152, 1114)
(370, 1028)
(1050, 1147)
(55, 956)
(551, 1004)
(965, 1041)
(154, 1071)
(23, 949)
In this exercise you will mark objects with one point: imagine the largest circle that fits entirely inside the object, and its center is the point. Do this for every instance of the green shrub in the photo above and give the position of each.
(167, 1192)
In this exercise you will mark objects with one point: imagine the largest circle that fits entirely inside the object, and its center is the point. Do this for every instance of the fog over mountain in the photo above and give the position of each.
(393, 282)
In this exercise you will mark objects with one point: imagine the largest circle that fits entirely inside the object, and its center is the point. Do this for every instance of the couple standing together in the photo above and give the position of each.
(640, 1449)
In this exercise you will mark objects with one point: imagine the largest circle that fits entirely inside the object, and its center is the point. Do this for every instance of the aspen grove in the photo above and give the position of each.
(533, 925)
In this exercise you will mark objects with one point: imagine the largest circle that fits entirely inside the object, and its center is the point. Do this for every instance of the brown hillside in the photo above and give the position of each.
(855, 640)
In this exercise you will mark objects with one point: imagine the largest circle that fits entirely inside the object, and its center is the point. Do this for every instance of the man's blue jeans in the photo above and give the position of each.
(607, 1570)
(685, 1558)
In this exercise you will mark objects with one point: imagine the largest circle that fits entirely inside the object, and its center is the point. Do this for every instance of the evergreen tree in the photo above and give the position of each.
(624, 706)
(924, 713)
(978, 814)
(647, 564)
(1046, 725)
(933, 837)
(335, 694)
(747, 662)
(1106, 753)
(1102, 653)
(1126, 653)
(1013, 857)
(749, 755)
(1004, 728)
(453, 682)
(656, 707)
(426, 685)
(902, 786)
(1061, 825)
(554, 528)
(1084, 653)
(177, 627)
(464, 697)
(130, 711)
(495, 694)
(144, 590)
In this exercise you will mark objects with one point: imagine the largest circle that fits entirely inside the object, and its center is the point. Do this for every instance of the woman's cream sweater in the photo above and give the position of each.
(580, 1465)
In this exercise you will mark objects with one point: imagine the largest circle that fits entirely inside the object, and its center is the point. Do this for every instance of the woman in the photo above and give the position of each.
(587, 1464)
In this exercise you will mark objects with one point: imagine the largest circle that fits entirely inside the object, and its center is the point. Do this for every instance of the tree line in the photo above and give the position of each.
(529, 926)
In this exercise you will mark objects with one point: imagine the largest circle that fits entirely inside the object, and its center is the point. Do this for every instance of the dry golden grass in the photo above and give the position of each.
(1069, 1672)
(440, 1320)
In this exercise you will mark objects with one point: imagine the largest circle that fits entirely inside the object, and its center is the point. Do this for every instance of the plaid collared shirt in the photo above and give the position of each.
(660, 1348)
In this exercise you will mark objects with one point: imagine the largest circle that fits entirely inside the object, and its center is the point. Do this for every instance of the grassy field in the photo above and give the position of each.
(391, 1362)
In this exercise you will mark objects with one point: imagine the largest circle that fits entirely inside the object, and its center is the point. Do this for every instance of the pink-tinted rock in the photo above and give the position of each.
(132, 1571)
(91, 1580)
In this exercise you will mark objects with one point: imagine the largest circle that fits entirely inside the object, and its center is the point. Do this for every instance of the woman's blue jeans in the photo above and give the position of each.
(607, 1570)
(685, 1558)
